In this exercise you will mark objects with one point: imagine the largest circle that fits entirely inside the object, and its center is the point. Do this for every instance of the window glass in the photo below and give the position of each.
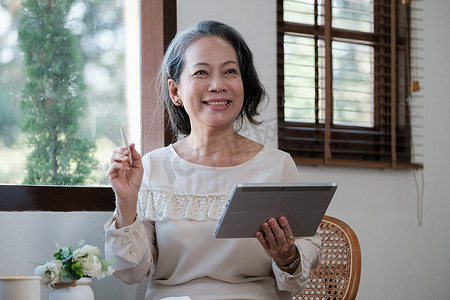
(353, 101)
(353, 14)
(299, 80)
(353, 74)
(299, 11)
(105, 37)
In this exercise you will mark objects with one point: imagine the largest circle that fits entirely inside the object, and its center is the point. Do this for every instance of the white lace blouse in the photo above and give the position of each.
(172, 239)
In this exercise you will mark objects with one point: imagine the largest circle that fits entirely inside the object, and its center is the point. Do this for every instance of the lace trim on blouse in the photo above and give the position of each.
(155, 205)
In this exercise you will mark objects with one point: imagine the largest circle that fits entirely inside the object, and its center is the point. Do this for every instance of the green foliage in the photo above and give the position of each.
(70, 264)
(53, 99)
(70, 269)
(106, 264)
(78, 270)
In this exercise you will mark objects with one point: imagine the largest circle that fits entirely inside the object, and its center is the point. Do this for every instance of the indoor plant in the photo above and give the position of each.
(74, 268)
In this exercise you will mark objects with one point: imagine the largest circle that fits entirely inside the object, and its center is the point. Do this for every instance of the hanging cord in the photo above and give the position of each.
(419, 191)
(414, 86)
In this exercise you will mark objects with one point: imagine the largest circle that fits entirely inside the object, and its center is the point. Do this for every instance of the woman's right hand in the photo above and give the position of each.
(125, 181)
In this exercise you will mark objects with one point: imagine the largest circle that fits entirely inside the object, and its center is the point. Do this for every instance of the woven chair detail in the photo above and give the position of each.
(338, 273)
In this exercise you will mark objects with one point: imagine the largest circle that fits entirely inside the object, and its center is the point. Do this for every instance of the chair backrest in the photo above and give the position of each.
(337, 275)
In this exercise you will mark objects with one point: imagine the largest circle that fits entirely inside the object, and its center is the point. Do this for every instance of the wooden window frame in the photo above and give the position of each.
(319, 137)
(158, 27)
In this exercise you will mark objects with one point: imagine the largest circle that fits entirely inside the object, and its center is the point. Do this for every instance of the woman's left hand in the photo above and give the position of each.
(278, 240)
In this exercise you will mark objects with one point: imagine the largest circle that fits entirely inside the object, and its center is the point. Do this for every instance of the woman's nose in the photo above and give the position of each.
(217, 84)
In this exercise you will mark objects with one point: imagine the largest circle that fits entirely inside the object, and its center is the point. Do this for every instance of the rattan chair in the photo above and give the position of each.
(337, 275)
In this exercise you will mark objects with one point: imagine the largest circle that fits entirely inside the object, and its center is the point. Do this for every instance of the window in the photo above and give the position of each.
(345, 82)
(158, 20)
(78, 86)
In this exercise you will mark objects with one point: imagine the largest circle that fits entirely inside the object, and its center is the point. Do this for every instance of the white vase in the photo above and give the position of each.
(20, 288)
(80, 291)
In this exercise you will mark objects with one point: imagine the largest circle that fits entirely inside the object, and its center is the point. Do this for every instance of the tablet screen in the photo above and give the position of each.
(250, 205)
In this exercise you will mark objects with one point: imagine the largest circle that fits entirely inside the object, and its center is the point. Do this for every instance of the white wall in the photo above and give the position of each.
(401, 260)
(31, 236)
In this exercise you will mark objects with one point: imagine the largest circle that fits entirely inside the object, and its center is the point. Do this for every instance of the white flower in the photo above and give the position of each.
(50, 272)
(87, 257)
(109, 271)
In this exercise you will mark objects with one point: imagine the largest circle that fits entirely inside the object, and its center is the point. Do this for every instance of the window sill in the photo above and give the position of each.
(356, 163)
(56, 198)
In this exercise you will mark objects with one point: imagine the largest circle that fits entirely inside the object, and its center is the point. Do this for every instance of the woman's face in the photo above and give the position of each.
(210, 85)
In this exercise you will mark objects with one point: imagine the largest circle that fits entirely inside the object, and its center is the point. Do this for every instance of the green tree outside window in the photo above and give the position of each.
(53, 99)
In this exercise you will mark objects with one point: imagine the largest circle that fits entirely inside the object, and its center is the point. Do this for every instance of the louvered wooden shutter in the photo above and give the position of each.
(344, 80)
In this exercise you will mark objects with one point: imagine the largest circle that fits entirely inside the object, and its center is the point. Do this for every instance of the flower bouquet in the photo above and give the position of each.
(70, 265)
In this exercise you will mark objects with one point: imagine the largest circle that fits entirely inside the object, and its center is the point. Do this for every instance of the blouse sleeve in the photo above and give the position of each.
(133, 247)
(289, 172)
(309, 249)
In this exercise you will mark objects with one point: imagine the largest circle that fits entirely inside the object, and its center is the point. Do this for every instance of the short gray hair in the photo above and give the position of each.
(173, 64)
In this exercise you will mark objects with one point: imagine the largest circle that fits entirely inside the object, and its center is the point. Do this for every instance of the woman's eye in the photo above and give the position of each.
(200, 72)
(231, 71)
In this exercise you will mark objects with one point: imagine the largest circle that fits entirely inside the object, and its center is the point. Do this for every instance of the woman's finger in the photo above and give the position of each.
(262, 240)
(120, 149)
(286, 228)
(277, 230)
(283, 239)
(113, 170)
(270, 236)
(120, 157)
(135, 156)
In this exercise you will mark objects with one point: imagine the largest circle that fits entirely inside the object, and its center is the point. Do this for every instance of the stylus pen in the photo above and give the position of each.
(125, 142)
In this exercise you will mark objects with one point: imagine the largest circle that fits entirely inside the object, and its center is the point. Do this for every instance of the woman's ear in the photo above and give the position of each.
(174, 92)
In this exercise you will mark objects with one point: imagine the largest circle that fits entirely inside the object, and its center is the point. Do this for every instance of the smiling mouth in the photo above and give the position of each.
(217, 103)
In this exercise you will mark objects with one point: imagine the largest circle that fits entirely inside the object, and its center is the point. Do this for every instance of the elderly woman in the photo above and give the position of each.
(168, 202)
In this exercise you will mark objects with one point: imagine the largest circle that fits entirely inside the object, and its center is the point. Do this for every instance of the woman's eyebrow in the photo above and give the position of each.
(207, 64)
(230, 62)
(200, 64)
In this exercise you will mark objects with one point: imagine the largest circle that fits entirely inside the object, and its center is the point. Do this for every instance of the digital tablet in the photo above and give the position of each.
(250, 205)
